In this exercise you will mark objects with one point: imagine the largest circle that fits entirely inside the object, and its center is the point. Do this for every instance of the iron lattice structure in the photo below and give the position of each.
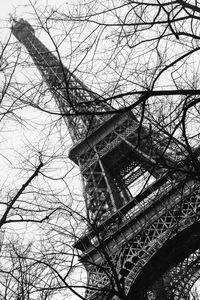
(143, 214)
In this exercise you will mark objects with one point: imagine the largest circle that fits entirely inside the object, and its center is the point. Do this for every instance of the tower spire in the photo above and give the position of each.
(76, 102)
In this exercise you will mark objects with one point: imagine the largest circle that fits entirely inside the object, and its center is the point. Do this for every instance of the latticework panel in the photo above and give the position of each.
(124, 137)
(169, 219)
(99, 194)
(105, 283)
(183, 276)
(111, 164)
(101, 189)
(108, 143)
(178, 281)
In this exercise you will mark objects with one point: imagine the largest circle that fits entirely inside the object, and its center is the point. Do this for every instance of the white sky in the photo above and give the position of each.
(22, 9)
(20, 6)
(8, 6)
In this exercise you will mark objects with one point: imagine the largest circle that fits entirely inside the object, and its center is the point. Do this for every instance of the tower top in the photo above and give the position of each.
(75, 100)
(21, 29)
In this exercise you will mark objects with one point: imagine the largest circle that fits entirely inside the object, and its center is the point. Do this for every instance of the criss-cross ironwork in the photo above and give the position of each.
(139, 201)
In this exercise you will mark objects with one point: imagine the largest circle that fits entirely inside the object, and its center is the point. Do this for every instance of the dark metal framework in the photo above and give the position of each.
(115, 154)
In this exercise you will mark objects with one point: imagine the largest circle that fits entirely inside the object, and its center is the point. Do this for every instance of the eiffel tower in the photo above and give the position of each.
(141, 243)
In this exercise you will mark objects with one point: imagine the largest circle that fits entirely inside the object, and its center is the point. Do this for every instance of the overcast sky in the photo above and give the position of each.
(20, 6)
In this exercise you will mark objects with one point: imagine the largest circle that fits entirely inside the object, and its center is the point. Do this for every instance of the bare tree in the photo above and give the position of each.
(135, 55)
(33, 192)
